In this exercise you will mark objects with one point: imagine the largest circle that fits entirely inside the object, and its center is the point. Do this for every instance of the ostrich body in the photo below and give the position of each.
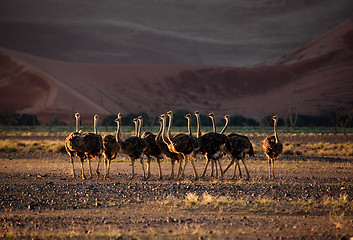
(181, 144)
(211, 145)
(213, 161)
(238, 146)
(93, 146)
(152, 150)
(111, 148)
(272, 147)
(164, 147)
(132, 146)
(74, 145)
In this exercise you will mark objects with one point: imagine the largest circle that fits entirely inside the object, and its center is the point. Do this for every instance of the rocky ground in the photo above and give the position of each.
(310, 199)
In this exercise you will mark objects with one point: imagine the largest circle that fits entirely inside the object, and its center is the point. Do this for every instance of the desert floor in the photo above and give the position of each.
(311, 198)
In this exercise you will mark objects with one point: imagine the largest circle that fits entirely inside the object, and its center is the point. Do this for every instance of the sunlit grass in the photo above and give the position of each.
(318, 149)
(27, 146)
(263, 204)
(341, 201)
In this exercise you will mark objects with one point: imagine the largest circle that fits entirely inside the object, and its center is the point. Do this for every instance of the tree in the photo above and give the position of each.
(290, 118)
(340, 118)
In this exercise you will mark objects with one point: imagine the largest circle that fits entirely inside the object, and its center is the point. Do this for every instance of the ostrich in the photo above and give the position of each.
(181, 144)
(164, 147)
(110, 150)
(238, 146)
(213, 163)
(74, 145)
(93, 146)
(272, 147)
(132, 146)
(194, 143)
(210, 146)
(152, 150)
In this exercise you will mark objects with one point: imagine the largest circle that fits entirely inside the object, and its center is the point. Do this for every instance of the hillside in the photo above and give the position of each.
(312, 79)
(193, 32)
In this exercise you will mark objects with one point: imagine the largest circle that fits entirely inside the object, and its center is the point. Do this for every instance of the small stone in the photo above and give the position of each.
(170, 220)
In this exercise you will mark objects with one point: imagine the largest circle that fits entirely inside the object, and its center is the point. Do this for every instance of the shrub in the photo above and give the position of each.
(16, 119)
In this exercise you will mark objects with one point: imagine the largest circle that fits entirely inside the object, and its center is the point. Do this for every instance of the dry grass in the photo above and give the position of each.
(262, 204)
(318, 149)
(48, 146)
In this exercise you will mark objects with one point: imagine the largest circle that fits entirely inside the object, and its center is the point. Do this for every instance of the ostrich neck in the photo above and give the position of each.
(170, 126)
(213, 123)
(225, 126)
(136, 128)
(164, 137)
(189, 127)
(118, 136)
(95, 126)
(160, 132)
(275, 130)
(198, 126)
(77, 124)
(140, 127)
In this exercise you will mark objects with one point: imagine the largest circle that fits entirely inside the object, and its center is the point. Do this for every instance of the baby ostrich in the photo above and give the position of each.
(110, 150)
(74, 145)
(272, 147)
(238, 146)
(152, 149)
(93, 146)
(132, 146)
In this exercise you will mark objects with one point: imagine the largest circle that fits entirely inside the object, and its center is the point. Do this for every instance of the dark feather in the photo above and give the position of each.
(110, 146)
(152, 149)
(133, 146)
(93, 144)
(271, 148)
(211, 143)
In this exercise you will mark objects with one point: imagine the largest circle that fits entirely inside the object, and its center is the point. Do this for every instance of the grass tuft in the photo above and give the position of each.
(27, 146)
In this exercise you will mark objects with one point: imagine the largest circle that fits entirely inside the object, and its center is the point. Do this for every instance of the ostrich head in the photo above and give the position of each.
(96, 117)
(211, 115)
(77, 115)
(275, 117)
(187, 116)
(119, 117)
(226, 117)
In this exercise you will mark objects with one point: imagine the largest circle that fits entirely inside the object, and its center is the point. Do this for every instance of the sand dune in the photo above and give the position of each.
(221, 33)
(313, 79)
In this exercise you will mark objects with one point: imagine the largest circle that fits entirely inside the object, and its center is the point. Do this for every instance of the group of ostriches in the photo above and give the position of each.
(181, 148)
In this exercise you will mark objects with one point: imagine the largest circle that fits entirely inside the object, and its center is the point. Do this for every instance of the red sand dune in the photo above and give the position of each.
(313, 79)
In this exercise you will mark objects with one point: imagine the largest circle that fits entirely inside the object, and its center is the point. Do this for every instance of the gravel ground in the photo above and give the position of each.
(310, 199)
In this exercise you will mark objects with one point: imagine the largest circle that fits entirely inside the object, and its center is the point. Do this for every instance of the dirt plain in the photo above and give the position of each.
(311, 198)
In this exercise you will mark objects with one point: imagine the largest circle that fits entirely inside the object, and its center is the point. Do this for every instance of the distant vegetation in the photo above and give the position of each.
(339, 122)
(16, 119)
